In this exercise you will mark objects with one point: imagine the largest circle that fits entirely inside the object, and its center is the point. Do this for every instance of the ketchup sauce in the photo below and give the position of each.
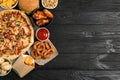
(42, 34)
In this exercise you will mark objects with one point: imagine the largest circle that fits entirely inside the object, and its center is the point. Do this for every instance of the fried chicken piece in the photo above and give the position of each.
(39, 15)
(1, 1)
(48, 13)
(42, 22)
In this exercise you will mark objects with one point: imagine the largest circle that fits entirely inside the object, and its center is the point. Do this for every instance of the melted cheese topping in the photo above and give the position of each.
(15, 33)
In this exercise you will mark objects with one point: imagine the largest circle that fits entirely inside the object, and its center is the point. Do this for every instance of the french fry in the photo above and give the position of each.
(28, 60)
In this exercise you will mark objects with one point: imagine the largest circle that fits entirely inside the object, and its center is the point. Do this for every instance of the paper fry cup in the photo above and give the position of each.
(21, 68)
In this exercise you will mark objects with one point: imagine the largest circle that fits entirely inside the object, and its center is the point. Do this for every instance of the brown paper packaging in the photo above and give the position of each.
(20, 68)
(44, 61)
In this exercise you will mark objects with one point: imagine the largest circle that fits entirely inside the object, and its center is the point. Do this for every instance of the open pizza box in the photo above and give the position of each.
(20, 68)
(44, 61)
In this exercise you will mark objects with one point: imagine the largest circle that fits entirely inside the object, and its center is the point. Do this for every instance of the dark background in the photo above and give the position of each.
(86, 34)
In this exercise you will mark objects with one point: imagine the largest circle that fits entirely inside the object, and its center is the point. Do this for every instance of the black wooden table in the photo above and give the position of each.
(87, 36)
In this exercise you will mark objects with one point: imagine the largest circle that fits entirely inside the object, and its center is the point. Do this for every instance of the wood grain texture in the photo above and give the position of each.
(67, 75)
(87, 36)
(78, 17)
(89, 5)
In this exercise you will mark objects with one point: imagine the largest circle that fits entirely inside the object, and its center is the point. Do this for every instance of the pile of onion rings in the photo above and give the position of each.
(42, 50)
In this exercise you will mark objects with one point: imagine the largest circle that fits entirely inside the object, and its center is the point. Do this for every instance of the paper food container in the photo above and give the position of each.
(44, 61)
(21, 68)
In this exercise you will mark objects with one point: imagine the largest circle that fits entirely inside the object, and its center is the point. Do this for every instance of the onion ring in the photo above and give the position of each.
(35, 55)
(47, 54)
(47, 46)
(42, 50)
(36, 44)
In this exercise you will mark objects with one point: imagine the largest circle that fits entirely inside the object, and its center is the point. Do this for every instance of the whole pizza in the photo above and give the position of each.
(16, 33)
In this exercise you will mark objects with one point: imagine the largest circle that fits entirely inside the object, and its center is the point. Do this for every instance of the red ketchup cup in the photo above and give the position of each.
(42, 34)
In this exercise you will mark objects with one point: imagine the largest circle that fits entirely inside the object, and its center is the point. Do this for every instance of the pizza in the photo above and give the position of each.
(16, 33)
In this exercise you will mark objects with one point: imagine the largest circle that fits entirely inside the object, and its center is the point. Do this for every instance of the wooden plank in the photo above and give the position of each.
(70, 61)
(85, 38)
(68, 17)
(106, 61)
(67, 75)
(89, 5)
(86, 75)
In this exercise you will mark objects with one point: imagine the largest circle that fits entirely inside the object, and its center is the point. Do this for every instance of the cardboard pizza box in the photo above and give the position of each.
(21, 68)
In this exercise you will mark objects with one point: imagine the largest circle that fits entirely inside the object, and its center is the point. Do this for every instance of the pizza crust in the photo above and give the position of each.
(31, 29)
